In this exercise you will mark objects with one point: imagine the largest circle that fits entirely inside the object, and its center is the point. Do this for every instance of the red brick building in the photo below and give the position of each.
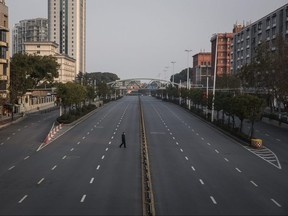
(201, 68)
(223, 51)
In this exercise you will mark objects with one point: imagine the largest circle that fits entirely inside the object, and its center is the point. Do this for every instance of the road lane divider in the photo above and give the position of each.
(147, 191)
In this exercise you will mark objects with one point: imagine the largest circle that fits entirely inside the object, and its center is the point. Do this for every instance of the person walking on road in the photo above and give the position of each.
(123, 140)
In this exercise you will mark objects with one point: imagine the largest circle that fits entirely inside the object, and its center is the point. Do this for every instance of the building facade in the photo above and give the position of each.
(67, 27)
(67, 64)
(4, 56)
(221, 47)
(201, 69)
(264, 30)
(28, 31)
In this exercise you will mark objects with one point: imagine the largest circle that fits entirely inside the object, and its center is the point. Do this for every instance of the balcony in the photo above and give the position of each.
(3, 61)
(2, 77)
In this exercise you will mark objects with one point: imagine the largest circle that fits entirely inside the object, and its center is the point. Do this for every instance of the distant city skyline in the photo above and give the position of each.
(140, 38)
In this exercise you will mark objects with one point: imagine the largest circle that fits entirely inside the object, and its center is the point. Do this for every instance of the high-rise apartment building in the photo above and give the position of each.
(30, 30)
(221, 47)
(67, 27)
(4, 55)
(264, 30)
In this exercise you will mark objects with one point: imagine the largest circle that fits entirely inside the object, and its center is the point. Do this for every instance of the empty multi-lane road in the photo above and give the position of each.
(195, 169)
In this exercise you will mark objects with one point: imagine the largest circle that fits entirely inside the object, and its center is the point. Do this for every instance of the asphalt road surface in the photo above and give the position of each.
(195, 168)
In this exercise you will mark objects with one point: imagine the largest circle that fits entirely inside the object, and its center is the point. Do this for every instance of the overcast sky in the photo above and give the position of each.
(140, 38)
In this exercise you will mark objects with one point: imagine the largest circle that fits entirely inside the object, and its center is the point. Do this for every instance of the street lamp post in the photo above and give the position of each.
(173, 62)
(188, 79)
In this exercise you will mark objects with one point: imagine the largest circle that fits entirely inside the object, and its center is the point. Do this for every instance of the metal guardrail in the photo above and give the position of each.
(147, 192)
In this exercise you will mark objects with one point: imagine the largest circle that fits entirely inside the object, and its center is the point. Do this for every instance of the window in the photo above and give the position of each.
(38, 52)
(38, 46)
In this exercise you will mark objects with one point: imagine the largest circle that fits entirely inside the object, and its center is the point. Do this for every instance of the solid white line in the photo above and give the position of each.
(91, 181)
(226, 159)
(83, 198)
(106, 149)
(254, 183)
(12, 167)
(238, 170)
(54, 167)
(276, 203)
(103, 157)
(39, 182)
(186, 158)
(192, 168)
(213, 200)
(98, 167)
(64, 157)
(216, 151)
(26, 157)
(201, 181)
(21, 200)
(78, 143)
(181, 150)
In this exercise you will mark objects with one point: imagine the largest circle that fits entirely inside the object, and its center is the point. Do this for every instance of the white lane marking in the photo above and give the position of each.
(226, 159)
(8, 138)
(98, 167)
(78, 143)
(173, 138)
(26, 157)
(114, 133)
(276, 203)
(213, 200)
(103, 157)
(208, 144)
(91, 181)
(83, 137)
(186, 158)
(12, 167)
(112, 137)
(238, 170)
(278, 140)
(19, 129)
(192, 168)
(197, 134)
(92, 129)
(109, 143)
(54, 167)
(254, 183)
(171, 134)
(88, 133)
(216, 151)
(168, 129)
(201, 181)
(83, 198)
(193, 130)
(266, 134)
(41, 180)
(2, 144)
(72, 149)
(202, 138)
(116, 129)
(13, 134)
(106, 149)
(64, 157)
(181, 150)
(177, 143)
(23, 198)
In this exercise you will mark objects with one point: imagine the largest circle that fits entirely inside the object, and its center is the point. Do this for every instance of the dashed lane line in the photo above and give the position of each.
(201, 181)
(98, 167)
(64, 157)
(26, 157)
(238, 170)
(12, 167)
(83, 198)
(91, 181)
(216, 151)
(40, 181)
(226, 159)
(103, 157)
(252, 182)
(23, 198)
(193, 168)
(276, 203)
(54, 167)
(186, 158)
(213, 200)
